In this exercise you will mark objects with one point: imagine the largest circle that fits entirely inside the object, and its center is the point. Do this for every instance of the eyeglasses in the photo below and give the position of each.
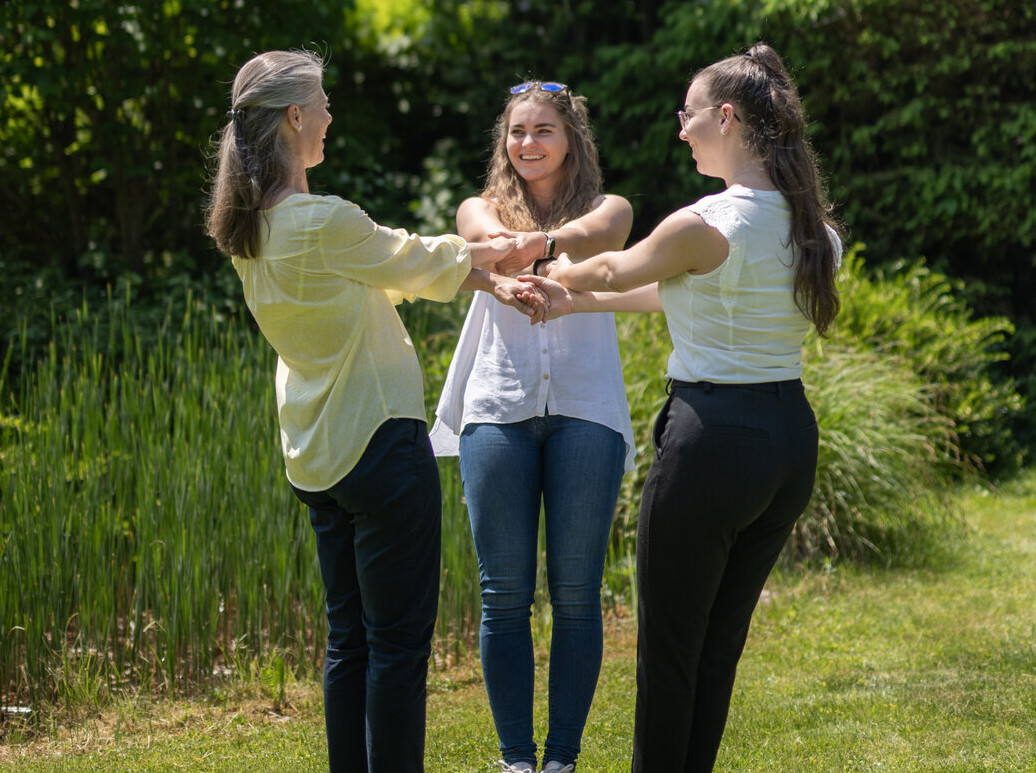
(686, 115)
(550, 86)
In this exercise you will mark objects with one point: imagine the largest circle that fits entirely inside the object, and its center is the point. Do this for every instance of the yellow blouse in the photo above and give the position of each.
(323, 293)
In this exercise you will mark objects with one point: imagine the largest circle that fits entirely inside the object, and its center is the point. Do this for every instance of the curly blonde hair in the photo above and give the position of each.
(580, 174)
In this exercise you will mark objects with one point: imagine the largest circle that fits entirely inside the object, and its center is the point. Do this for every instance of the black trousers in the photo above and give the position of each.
(378, 534)
(734, 468)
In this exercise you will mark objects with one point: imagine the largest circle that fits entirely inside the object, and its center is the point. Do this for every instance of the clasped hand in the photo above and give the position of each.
(538, 297)
(559, 299)
(524, 296)
(528, 246)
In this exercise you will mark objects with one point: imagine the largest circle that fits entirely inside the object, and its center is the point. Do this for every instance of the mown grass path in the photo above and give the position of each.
(929, 668)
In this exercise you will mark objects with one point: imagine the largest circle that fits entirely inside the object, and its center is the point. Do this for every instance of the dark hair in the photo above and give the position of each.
(251, 157)
(774, 126)
(580, 183)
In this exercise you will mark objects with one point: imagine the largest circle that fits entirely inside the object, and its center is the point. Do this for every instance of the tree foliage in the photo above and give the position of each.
(108, 108)
(922, 115)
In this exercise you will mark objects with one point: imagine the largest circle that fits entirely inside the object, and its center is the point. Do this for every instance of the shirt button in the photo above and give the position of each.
(544, 351)
(545, 376)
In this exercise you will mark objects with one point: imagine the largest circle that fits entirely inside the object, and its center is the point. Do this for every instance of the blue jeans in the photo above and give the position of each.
(378, 539)
(576, 467)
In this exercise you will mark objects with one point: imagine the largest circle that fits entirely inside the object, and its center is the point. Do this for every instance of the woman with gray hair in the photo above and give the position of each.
(322, 280)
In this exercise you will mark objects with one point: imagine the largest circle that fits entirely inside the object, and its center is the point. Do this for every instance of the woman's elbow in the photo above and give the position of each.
(614, 282)
(617, 283)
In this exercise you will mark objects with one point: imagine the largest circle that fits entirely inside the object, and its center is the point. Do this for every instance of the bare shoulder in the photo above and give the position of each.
(613, 214)
(474, 205)
(691, 242)
(614, 203)
(684, 221)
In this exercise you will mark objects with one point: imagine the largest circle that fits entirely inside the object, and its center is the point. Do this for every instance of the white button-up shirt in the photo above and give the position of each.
(505, 370)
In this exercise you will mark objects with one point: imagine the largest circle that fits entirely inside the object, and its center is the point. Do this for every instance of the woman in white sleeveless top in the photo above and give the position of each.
(539, 416)
(741, 276)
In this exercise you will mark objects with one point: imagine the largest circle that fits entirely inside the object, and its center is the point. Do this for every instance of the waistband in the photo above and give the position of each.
(770, 387)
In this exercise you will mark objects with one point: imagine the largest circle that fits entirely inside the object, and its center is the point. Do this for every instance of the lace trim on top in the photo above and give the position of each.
(725, 218)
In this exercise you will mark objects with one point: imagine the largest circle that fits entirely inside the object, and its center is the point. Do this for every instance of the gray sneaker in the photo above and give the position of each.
(556, 767)
(517, 767)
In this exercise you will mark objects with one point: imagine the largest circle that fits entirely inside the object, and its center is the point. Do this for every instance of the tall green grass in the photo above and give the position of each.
(883, 453)
(456, 628)
(146, 528)
(148, 536)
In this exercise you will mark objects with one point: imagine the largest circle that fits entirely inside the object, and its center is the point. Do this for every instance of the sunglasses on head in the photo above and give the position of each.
(550, 86)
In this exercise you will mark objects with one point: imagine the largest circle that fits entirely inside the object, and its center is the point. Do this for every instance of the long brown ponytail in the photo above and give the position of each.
(768, 103)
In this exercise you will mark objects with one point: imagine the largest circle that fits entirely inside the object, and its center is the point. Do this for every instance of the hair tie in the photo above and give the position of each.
(233, 114)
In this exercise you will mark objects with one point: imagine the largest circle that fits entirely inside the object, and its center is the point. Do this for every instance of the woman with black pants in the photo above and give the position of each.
(322, 281)
(741, 276)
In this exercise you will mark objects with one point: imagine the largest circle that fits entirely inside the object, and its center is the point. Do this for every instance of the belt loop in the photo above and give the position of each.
(669, 387)
(707, 386)
(779, 385)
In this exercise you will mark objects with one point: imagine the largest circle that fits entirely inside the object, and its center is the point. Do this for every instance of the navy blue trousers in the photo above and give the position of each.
(378, 541)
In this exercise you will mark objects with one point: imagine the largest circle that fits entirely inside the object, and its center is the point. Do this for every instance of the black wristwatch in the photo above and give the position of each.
(548, 248)
(548, 254)
(539, 262)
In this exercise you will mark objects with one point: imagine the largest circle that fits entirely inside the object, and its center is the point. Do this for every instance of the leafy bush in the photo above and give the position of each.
(883, 450)
(911, 313)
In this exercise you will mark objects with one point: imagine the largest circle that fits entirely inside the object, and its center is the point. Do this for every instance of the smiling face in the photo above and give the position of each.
(537, 143)
(701, 130)
(314, 121)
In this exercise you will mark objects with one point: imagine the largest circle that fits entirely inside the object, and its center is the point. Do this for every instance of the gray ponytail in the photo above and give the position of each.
(252, 160)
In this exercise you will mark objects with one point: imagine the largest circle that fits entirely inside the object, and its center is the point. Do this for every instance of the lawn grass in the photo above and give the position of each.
(927, 667)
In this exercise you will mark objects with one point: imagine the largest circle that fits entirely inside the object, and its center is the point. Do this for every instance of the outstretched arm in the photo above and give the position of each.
(477, 220)
(683, 242)
(605, 227)
(511, 292)
(564, 301)
(486, 253)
